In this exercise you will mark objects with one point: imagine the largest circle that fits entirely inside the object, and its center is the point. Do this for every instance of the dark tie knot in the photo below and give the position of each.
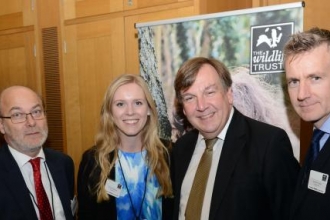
(315, 145)
(210, 143)
(317, 135)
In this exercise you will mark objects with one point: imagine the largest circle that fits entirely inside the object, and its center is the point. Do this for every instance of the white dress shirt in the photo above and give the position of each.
(47, 181)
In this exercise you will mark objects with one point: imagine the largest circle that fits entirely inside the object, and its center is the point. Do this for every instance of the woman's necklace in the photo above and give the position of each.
(137, 215)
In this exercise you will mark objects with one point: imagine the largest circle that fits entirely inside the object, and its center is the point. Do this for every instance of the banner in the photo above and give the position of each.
(249, 42)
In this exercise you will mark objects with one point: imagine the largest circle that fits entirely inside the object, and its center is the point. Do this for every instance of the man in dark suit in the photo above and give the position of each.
(24, 127)
(307, 65)
(253, 171)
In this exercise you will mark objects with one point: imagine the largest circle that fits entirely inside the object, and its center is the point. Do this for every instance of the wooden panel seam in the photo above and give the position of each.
(128, 13)
(17, 30)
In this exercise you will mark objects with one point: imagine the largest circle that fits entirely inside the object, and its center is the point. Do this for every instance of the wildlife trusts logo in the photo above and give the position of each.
(270, 41)
(267, 43)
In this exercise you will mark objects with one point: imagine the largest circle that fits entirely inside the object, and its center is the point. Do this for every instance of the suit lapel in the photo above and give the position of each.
(15, 183)
(185, 155)
(323, 157)
(234, 143)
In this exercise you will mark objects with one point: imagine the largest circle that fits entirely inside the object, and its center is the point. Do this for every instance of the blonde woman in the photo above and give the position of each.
(126, 174)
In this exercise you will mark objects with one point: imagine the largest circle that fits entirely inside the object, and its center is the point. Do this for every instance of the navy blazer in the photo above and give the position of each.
(256, 175)
(309, 204)
(15, 200)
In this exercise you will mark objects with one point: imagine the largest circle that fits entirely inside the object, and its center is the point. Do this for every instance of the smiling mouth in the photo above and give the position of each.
(306, 105)
(206, 116)
(131, 121)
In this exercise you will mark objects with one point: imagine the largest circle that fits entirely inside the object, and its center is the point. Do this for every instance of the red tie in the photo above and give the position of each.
(45, 211)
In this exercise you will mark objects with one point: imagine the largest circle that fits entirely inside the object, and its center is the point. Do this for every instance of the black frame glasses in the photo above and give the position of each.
(20, 117)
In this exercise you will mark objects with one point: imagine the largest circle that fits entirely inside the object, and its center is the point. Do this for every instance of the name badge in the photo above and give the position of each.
(318, 181)
(113, 188)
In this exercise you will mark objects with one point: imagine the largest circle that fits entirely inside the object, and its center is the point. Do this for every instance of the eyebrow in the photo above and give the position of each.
(134, 100)
(214, 85)
(211, 86)
(20, 108)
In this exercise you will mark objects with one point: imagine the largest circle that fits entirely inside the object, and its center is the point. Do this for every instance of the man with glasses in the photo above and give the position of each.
(35, 182)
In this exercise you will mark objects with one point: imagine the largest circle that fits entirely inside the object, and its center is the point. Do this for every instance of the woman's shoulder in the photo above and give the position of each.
(90, 152)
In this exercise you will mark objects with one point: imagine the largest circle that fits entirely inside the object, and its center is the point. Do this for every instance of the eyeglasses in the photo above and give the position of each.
(20, 117)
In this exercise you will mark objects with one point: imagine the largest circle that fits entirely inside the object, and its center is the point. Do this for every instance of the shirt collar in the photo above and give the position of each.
(326, 126)
(22, 159)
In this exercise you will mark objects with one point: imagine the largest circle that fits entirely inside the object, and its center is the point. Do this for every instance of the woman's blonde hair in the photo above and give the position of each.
(107, 140)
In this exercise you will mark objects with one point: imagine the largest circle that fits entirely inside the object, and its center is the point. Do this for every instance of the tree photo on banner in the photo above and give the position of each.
(249, 42)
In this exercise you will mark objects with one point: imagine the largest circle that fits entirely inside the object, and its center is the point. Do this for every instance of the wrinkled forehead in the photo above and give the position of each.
(19, 98)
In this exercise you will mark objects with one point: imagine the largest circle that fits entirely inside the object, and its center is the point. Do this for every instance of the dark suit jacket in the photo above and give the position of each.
(88, 208)
(308, 204)
(256, 175)
(15, 200)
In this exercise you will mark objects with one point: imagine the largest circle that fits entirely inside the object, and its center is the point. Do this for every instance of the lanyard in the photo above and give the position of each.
(137, 215)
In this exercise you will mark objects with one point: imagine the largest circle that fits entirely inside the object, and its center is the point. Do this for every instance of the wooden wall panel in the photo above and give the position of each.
(9, 7)
(48, 13)
(71, 96)
(138, 4)
(96, 7)
(17, 61)
(28, 11)
(316, 14)
(221, 6)
(13, 66)
(11, 20)
(95, 55)
(16, 13)
(17, 44)
(69, 9)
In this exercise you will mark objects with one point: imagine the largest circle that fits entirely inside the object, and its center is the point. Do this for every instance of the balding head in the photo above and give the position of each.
(15, 91)
(27, 135)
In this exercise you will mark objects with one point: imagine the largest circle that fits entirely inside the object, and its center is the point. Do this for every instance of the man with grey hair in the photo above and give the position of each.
(35, 182)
